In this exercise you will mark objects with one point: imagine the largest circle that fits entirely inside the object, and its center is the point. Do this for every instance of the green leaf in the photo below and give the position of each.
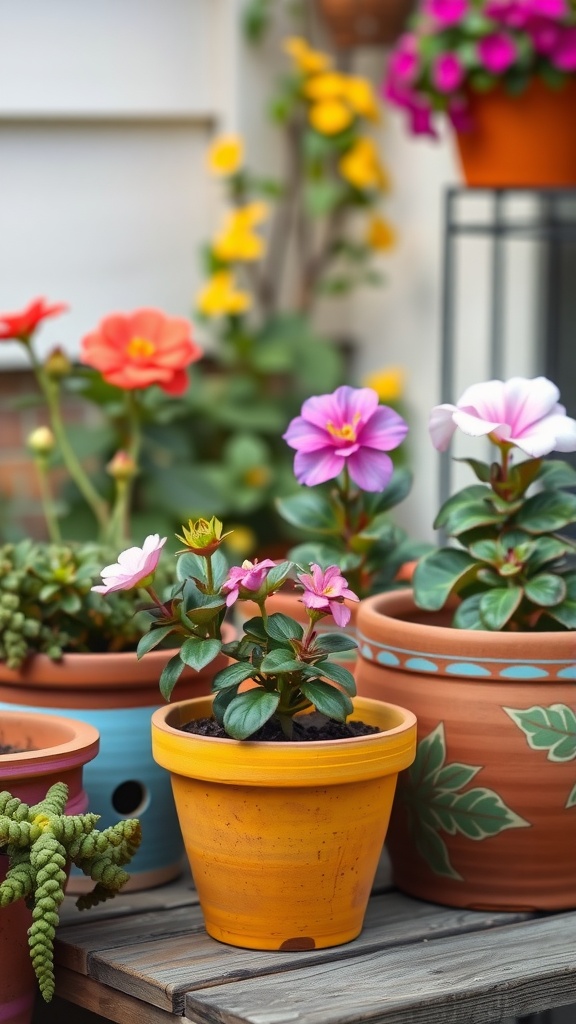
(550, 728)
(328, 700)
(462, 498)
(310, 511)
(545, 590)
(279, 661)
(440, 574)
(565, 613)
(332, 643)
(396, 491)
(469, 516)
(199, 653)
(323, 196)
(480, 813)
(434, 852)
(221, 702)
(283, 628)
(430, 756)
(557, 474)
(170, 675)
(152, 639)
(547, 549)
(547, 512)
(467, 614)
(232, 675)
(277, 576)
(455, 775)
(338, 674)
(524, 474)
(248, 712)
(487, 551)
(571, 801)
(480, 469)
(497, 606)
(322, 554)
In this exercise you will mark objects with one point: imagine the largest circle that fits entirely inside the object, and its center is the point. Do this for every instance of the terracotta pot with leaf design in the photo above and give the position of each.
(486, 815)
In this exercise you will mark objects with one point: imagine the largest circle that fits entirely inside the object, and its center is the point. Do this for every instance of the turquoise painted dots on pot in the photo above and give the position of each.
(420, 665)
(567, 673)
(467, 668)
(523, 672)
(366, 652)
(387, 658)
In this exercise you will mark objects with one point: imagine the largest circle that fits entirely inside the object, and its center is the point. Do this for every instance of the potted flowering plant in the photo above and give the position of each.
(61, 644)
(504, 73)
(483, 650)
(270, 769)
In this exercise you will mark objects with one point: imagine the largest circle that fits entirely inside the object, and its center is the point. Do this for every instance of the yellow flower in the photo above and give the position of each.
(202, 536)
(330, 116)
(327, 86)
(220, 296)
(242, 542)
(307, 60)
(360, 95)
(381, 234)
(388, 383)
(225, 155)
(361, 165)
(237, 241)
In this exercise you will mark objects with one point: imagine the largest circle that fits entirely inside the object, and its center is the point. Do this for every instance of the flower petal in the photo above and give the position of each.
(441, 426)
(384, 430)
(370, 470)
(313, 468)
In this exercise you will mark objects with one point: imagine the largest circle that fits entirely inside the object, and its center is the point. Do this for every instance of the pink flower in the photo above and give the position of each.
(497, 52)
(243, 581)
(555, 9)
(459, 114)
(512, 13)
(447, 72)
(326, 592)
(133, 567)
(564, 55)
(522, 412)
(404, 62)
(545, 34)
(446, 12)
(346, 428)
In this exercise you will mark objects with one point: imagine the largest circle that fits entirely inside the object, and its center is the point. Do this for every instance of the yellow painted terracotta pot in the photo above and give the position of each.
(283, 839)
(486, 815)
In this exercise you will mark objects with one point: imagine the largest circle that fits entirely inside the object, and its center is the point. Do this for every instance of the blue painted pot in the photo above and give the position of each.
(116, 694)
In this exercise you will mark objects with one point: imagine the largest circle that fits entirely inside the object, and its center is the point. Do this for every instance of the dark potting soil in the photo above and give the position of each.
(6, 748)
(307, 727)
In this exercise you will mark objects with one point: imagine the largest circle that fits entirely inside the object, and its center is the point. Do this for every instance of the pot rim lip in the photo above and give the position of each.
(159, 722)
(387, 606)
(81, 746)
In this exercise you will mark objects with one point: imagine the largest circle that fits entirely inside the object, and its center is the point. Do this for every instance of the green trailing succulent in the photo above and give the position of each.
(41, 841)
(47, 606)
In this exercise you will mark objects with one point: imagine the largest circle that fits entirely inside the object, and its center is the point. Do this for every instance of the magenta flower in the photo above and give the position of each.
(446, 12)
(326, 592)
(404, 62)
(245, 580)
(497, 52)
(447, 72)
(133, 567)
(459, 114)
(522, 412)
(564, 54)
(512, 13)
(346, 428)
(545, 35)
(555, 9)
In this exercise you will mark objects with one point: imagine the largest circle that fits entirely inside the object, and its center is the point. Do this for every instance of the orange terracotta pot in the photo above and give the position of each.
(283, 839)
(365, 22)
(116, 693)
(525, 141)
(486, 815)
(57, 750)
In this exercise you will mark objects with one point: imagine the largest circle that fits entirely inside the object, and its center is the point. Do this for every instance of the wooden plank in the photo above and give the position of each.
(112, 1005)
(161, 971)
(464, 979)
(180, 892)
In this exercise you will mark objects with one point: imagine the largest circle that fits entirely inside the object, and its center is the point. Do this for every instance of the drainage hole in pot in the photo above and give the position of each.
(130, 798)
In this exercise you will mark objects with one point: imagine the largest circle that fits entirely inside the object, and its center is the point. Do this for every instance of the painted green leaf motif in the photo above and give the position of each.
(432, 793)
(571, 801)
(550, 728)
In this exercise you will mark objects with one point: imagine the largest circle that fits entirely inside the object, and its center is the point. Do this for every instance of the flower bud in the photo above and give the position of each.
(203, 537)
(122, 467)
(57, 364)
(41, 441)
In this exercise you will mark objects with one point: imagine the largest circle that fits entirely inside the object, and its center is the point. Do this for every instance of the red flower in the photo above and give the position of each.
(135, 350)
(20, 326)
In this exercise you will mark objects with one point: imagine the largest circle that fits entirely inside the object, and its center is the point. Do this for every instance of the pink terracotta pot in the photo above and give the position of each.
(59, 749)
(486, 815)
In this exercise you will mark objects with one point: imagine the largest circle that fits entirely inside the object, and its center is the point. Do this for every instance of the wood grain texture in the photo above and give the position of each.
(463, 979)
(158, 957)
(113, 1006)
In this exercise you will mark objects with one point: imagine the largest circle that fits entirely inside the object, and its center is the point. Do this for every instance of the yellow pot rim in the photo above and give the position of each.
(315, 763)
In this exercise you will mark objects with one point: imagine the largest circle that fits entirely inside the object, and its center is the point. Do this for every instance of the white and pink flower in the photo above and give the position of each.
(134, 568)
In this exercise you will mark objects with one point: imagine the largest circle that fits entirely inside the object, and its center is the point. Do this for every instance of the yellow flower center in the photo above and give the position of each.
(42, 821)
(140, 348)
(347, 432)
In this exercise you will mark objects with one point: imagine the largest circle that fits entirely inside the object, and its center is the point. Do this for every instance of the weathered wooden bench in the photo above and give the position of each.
(145, 958)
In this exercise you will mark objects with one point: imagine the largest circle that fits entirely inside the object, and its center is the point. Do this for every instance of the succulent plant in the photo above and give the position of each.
(47, 606)
(41, 841)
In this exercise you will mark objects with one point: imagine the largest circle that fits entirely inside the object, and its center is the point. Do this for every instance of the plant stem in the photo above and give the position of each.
(47, 500)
